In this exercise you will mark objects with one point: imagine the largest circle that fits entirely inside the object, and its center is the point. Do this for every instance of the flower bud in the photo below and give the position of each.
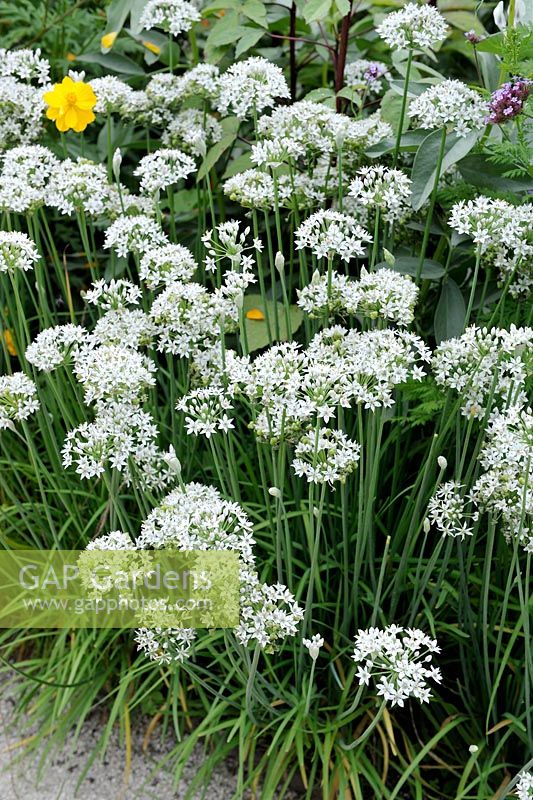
(274, 492)
(389, 258)
(441, 461)
(117, 161)
(426, 525)
(279, 262)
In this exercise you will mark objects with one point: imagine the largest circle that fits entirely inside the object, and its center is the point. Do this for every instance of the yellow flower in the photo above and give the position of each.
(108, 40)
(71, 57)
(153, 48)
(10, 344)
(255, 314)
(70, 104)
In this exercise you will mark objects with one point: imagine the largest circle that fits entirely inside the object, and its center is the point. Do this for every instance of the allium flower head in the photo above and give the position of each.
(449, 511)
(135, 234)
(508, 101)
(112, 94)
(192, 131)
(113, 294)
(21, 113)
(167, 264)
(174, 16)
(413, 26)
(329, 233)
(251, 86)
(18, 399)
(24, 65)
(384, 188)
(325, 456)
(450, 104)
(398, 660)
(79, 185)
(114, 372)
(54, 346)
(314, 644)
(17, 252)
(524, 787)
(367, 76)
(70, 104)
(26, 172)
(163, 168)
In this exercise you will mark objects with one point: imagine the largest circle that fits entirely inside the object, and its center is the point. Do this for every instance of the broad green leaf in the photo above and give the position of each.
(239, 164)
(248, 40)
(391, 110)
(113, 62)
(478, 171)
(225, 30)
(450, 313)
(343, 6)
(425, 163)
(492, 44)
(137, 7)
(257, 330)
(230, 125)
(408, 265)
(256, 11)
(464, 21)
(316, 9)
(117, 13)
(319, 95)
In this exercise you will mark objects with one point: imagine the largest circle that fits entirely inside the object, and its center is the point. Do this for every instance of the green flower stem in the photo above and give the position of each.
(403, 108)
(429, 217)
(473, 289)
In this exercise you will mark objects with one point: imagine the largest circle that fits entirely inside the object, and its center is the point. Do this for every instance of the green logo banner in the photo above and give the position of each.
(118, 589)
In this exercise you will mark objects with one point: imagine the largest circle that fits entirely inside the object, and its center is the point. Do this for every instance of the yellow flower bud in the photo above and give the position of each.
(108, 40)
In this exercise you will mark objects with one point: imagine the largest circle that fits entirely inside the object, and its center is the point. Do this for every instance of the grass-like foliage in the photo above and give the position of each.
(265, 275)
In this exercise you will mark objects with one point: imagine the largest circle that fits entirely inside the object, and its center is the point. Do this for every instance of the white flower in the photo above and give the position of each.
(367, 76)
(192, 131)
(452, 105)
(136, 234)
(483, 365)
(398, 660)
(54, 346)
(122, 326)
(448, 511)
(21, 113)
(18, 399)
(383, 188)
(313, 645)
(268, 613)
(175, 16)
(17, 252)
(524, 787)
(206, 411)
(24, 178)
(325, 456)
(163, 168)
(167, 264)
(329, 233)
(77, 186)
(413, 26)
(25, 65)
(250, 86)
(112, 94)
(113, 372)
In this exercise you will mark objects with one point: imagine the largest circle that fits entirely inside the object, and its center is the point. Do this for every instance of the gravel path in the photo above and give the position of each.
(104, 780)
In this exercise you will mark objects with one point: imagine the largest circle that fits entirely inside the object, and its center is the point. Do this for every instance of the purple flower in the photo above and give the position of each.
(473, 37)
(374, 71)
(508, 101)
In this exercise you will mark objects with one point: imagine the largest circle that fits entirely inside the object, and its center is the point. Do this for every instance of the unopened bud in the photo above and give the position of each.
(315, 277)
(279, 262)
(441, 461)
(473, 749)
(426, 525)
(274, 492)
(172, 460)
(339, 139)
(201, 147)
(389, 258)
(239, 300)
(117, 161)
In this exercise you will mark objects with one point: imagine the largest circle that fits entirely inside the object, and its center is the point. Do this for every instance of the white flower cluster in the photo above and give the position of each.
(452, 105)
(163, 168)
(383, 294)
(113, 373)
(506, 489)
(113, 294)
(255, 189)
(174, 16)
(17, 252)
(398, 660)
(112, 94)
(18, 399)
(79, 185)
(329, 233)
(448, 511)
(229, 242)
(192, 131)
(134, 234)
(325, 456)
(54, 346)
(367, 76)
(114, 540)
(524, 787)
(24, 65)
(167, 264)
(122, 437)
(250, 86)
(21, 113)
(122, 326)
(24, 177)
(413, 26)
(485, 367)
(314, 645)
(383, 188)
(205, 411)
(503, 232)
(268, 613)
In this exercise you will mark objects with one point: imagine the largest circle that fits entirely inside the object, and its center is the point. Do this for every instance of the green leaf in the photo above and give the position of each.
(450, 313)
(408, 265)
(137, 7)
(225, 30)
(257, 330)
(256, 11)
(248, 40)
(464, 21)
(117, 13)
(343, 6)
(230, 126)
(425, 163)
(492, 44)
(316, 9)
(112, 61)
(477, 170)
(391, 110)
(319, 95)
